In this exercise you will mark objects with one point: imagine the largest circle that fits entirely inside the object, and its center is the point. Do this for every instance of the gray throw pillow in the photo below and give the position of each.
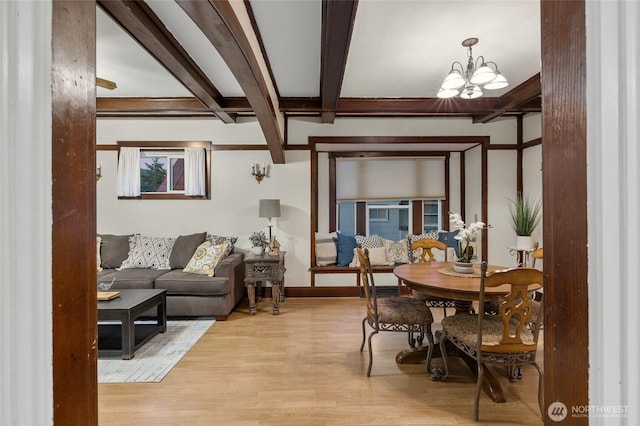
(183, 249)
(114, 249)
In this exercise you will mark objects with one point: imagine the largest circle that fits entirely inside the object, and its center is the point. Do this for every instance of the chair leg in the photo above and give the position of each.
(430, 350)
(370, 352)
(540, 389)
(364, 334)
(476, 403)
(443, 351)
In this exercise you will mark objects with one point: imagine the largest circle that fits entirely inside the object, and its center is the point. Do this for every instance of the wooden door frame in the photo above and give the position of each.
(565, 222)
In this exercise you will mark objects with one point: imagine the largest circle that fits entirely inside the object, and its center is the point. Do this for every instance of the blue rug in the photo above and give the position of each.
(153, 361)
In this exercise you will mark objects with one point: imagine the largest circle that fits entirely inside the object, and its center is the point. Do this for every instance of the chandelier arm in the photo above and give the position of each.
(459, 64)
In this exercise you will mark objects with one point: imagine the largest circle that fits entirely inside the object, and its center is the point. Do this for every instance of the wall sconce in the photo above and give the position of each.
(260, 172)
(98, 172)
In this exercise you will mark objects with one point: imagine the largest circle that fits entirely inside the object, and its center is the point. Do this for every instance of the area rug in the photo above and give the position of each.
(153, 361)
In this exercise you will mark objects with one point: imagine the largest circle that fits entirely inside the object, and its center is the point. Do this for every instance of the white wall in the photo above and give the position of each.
(233, 208)
(26, 347)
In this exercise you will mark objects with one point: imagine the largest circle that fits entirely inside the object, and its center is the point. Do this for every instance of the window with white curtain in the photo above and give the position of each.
(164, 170)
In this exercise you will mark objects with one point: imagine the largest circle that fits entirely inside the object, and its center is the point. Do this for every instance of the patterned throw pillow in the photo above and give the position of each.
(218, 239)
(148, 252)
(414, 255)
(206, 258)
(377, 257)
(326, 249)
(397, 252)
(98, 260)
(372, 241)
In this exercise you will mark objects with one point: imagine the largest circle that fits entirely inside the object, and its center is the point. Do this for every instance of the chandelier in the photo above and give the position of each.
(468, 83)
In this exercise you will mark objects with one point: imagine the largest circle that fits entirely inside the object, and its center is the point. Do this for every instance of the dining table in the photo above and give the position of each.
(441, 280)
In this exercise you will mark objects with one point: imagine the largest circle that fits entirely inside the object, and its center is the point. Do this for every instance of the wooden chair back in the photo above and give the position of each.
(515, 309)
(427, 245)
(368, 283)
(537, 254)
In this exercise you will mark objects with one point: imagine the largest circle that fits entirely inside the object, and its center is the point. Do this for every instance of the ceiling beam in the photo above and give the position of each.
(228, 27)
(337, 25)
(150, 107)
(522, 94)
(416, 106)
(146, 28)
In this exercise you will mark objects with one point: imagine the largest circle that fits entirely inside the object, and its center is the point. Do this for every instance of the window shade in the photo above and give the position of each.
(390, 178)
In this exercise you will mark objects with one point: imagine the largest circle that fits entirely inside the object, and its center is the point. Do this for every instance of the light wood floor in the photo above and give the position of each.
(304, 367)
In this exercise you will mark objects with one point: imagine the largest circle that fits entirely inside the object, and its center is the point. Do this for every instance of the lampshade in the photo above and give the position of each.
(269, 208)
(483, 74)
(453, 80)
(447, 93)
(471, 91)
(497, 83)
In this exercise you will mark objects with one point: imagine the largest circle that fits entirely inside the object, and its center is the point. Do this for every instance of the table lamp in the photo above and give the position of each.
(269, 209)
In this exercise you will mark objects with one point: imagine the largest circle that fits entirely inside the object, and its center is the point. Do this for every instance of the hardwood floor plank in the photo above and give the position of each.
(304, 367)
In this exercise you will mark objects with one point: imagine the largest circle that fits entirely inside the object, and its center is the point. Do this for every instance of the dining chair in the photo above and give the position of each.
(400, 314)
(427, 246)
(537, 254)
(504, 339)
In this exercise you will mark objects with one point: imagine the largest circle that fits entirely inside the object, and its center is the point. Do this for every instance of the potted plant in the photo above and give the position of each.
(465, 235)
(526, 216)
(259, 242)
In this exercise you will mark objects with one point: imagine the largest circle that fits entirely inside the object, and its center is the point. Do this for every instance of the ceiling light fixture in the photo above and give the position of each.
(468, 83)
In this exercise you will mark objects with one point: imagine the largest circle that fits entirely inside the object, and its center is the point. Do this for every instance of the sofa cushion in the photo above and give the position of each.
(206, 258)
(377, 257)
(370, 241)
(326, 249)
(114, 249)
(184, 248)
(131, 278)
(398, 251)
(186, 283)
(219, 239)
(148, 252)
(346, 244)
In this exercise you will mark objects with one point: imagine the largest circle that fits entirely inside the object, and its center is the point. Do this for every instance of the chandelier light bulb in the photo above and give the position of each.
(447, 93)
(471, 91)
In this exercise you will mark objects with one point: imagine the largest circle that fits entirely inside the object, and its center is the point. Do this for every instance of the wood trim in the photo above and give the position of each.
(151, 107)
(396, 139)
(104, 147)
(519, 140)
(220, 24)
(147, 29)
(338, 18)
(417, 217)
(531, 143)
(73, 251)
(263, 51)
(463, 185)
(333, 198)
(485, 195)
(361, 218)
(416, 106)
(522, 94)
(564, 182)
(314, 208)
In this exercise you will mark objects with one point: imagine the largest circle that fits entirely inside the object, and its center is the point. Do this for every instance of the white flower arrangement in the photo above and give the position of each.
(465, 234)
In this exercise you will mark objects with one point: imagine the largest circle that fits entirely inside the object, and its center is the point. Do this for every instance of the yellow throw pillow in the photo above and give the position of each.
(206, 258)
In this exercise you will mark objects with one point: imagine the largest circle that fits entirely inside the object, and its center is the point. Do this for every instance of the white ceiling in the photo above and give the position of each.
(398, 48)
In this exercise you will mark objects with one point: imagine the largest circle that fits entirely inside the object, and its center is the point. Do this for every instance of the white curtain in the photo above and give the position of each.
(129, 172)
(194, 167)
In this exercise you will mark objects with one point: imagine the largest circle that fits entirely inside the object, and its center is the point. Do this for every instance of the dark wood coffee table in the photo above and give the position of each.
(126, 336)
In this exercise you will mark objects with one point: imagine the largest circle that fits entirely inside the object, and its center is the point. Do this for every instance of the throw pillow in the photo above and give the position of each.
(450, 238)
(206, 258)
(114, 249)
(397, 252)
(326, 249)
(377, 257)
(148, 252)
(218, 239)
(369, 242)
(183, 249)
(346, 244)
(98, 261)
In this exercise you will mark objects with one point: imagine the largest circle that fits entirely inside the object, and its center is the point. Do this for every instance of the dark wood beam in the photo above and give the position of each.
(337, 25)
(224, 29)
(74, 309)
(564, 199)
(519, 95)
(151, 107)
(416, 106)
(145, 27)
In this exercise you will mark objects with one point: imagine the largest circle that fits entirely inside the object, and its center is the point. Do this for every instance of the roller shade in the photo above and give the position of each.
(390, 178)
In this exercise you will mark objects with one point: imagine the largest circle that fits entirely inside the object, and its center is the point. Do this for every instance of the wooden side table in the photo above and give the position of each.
(262, 268)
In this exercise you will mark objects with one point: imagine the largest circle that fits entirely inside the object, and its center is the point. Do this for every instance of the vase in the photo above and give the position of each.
(524, 242)
(463, 267)
(258, 251)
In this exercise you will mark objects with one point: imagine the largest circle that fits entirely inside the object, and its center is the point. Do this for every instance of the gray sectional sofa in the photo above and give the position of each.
(188, 294)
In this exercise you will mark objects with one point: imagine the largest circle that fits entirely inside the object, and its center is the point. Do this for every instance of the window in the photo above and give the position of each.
(388, 219)
(377, 214)
(164, 170)
(431, 215)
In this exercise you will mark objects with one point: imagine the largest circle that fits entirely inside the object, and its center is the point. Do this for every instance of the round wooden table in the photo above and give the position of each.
(427, 277)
